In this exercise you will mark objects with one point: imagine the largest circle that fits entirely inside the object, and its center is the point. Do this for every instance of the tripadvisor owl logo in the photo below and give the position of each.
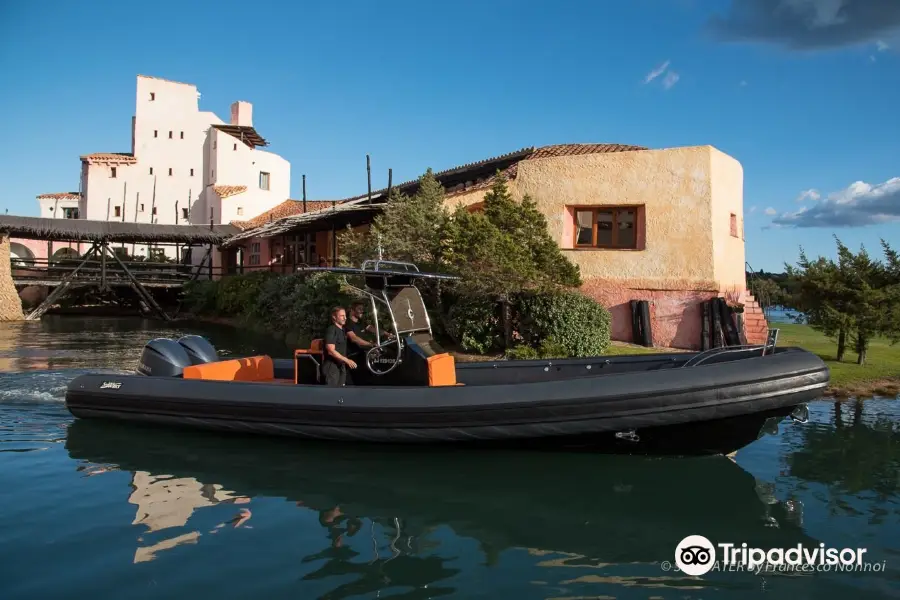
(695, 555)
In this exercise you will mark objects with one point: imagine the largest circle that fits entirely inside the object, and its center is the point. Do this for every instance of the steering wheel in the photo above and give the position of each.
(376, 352)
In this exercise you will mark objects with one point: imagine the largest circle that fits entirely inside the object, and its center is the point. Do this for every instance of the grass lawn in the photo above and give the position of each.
(880, 376)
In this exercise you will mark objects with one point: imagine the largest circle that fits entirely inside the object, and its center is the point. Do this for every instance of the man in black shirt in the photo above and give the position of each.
(357, 346)
(336, 362)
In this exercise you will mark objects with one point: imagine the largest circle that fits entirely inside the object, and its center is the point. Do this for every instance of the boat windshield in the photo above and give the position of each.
(390, 287)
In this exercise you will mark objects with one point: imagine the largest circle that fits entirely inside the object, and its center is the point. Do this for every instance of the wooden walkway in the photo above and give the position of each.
(101, 267)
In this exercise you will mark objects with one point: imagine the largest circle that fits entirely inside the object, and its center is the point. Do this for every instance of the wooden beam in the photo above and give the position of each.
(140, 289)
(61, 289)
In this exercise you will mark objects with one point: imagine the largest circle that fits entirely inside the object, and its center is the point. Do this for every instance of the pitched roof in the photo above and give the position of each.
(60, 196)
(109, 157)
(224, 191)
(287, 208)
(72, 230)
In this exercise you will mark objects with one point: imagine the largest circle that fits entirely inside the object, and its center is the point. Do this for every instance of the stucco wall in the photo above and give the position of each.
(728, 200)
(685, 252)
(234, 163)
(670, 187)
(10, 304)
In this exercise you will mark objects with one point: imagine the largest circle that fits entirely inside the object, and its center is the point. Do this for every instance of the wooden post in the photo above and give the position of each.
(103, 285)
(137, 199)
(210, 244)
(369, 177)
(304, 193)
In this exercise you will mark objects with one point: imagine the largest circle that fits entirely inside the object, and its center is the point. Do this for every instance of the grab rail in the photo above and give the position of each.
(699, 358)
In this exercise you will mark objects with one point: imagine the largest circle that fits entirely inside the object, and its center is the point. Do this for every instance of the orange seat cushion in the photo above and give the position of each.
(441, 370)
(253, 368)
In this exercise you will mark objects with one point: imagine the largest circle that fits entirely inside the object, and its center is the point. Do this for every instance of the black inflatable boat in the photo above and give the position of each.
(411, 391)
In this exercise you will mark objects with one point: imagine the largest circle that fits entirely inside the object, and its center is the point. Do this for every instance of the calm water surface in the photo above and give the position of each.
(101, 510)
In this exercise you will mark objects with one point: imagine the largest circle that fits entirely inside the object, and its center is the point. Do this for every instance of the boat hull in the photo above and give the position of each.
(708, 409)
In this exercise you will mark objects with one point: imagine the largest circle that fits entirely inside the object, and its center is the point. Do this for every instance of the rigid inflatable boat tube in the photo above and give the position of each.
(704, 333)
(646, 331)
(636, 334)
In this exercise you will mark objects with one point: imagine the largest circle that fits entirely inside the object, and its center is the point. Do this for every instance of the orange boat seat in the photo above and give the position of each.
(441, 370)
(253, 368)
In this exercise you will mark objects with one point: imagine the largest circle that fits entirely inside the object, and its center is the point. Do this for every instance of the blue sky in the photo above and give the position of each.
(805, 93)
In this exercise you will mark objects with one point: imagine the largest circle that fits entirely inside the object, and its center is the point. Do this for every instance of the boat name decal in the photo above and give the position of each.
(110, 385)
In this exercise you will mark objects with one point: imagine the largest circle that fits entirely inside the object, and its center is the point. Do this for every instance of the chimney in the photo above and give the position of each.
(242, 113)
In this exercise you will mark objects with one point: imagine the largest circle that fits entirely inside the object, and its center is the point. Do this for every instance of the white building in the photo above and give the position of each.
(185, 165)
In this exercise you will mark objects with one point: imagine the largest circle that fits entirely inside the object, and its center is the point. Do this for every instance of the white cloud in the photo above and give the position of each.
(743, 83)
(811, 194)
(771, 211)
(857, 205)
(752, 209)
(882, 47)
(657, 72)
(670, 79)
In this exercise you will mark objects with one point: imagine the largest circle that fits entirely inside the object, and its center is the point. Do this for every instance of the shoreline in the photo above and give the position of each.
(837, 390)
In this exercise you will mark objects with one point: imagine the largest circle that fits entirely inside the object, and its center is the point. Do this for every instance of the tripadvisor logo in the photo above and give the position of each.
(695, 555)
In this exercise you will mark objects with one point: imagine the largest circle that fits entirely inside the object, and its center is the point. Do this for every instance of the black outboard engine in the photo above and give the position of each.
(198, 349)
(163, 357)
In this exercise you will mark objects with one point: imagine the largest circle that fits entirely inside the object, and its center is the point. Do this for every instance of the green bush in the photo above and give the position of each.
(548, 348)
(563, 322)
(200, 296)
(475, 324)
(236, 294)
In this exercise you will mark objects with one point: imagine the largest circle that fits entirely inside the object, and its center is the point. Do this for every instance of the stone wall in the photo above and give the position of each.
(10, 304)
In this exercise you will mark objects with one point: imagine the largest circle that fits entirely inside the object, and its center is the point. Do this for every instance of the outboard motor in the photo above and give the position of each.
(163, 357)
(198, 349)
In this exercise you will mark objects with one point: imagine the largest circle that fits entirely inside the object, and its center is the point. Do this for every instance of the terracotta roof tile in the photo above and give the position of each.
(288, 208)
(548, 152)
(61, 196)
(573, 149)
(224, 191)
(109, 157)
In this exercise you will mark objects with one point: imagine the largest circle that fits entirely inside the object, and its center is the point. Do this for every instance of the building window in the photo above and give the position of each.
(151, 170)
(112, 171)
(734, 227)
(240, 210)
(192, 172)
(155, 133)
(170, 135)
(235, 146)
(152, 96)
(184, 213)
(606, 227)
(70, 213)
(263, 180)
(142, 207)
(182, 135)
(118, 212)
(170, 170)
(154, 211)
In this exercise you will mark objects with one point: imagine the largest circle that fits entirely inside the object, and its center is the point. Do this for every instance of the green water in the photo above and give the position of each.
(91, 510)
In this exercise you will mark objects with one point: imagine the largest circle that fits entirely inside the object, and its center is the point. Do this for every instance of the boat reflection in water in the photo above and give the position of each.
(586, 509)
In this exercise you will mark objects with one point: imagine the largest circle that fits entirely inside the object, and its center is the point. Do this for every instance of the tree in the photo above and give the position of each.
(410, 229)
(855, 297)
(506, 250)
